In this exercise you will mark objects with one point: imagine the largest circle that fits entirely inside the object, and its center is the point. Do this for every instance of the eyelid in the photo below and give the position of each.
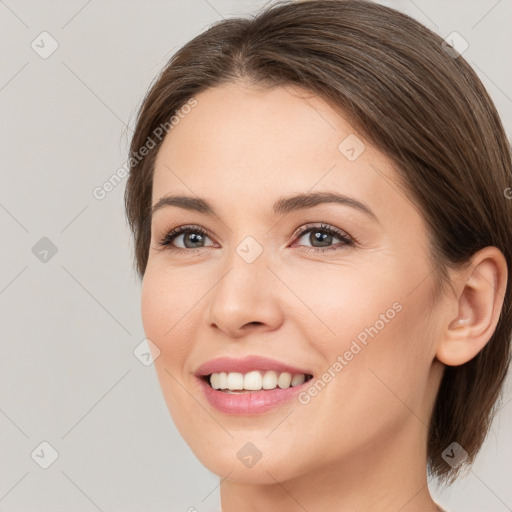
(323, 226)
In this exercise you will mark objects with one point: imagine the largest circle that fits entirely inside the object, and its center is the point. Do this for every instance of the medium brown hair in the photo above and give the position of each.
(418, 103)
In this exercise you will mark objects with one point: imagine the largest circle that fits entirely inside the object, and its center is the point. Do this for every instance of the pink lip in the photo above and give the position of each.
(246, 364)
(254, 402)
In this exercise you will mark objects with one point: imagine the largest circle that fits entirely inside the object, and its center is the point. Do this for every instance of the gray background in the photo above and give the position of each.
(70, 323)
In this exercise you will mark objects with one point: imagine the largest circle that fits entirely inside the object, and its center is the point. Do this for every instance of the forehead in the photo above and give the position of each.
(251, 126)
(243, 145)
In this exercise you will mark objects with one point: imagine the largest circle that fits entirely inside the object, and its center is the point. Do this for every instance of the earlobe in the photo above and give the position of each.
(480, 292)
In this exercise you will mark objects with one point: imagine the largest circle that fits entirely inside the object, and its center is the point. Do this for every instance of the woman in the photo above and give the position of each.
(318, 198)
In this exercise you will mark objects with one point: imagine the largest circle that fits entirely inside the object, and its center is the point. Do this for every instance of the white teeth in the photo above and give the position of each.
(223, 380)
(298, 379)
(284, 380)
(270, 380)
(255, 380)
(215, 380)
(235, 381)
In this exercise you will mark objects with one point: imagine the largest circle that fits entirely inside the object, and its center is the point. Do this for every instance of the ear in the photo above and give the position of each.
(478, 300)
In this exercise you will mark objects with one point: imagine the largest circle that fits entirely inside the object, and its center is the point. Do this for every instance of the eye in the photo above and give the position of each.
(192, 236)
(323, 235)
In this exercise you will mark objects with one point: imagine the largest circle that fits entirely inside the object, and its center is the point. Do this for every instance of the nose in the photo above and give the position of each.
(245, 298)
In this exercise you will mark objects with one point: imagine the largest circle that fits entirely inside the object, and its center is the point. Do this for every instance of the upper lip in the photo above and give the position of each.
(246, 364)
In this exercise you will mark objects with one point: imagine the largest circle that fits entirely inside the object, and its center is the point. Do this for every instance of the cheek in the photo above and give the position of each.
(338, 303)
(375, 318)
(390, 353)
(166, 313)
(164, 320)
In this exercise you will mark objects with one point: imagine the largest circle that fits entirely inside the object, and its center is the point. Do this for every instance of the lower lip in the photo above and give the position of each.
(252, 402)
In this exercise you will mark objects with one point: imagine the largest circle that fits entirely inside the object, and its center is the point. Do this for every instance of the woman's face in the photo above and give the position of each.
(348, 307)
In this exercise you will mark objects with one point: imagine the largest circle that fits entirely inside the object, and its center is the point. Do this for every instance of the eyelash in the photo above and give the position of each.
(346, 241)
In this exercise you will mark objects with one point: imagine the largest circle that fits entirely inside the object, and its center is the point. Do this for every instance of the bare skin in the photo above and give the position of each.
(360, 443)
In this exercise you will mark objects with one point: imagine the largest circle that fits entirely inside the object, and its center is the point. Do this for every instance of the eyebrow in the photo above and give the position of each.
(282, 206)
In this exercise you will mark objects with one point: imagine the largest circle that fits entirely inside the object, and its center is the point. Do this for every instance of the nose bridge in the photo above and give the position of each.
(246, 270)
(242, 295)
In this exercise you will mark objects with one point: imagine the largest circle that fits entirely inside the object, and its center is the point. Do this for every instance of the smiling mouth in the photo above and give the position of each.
(257, 380)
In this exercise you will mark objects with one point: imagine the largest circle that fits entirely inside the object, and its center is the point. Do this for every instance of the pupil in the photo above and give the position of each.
(194, 237)
(321, 237)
